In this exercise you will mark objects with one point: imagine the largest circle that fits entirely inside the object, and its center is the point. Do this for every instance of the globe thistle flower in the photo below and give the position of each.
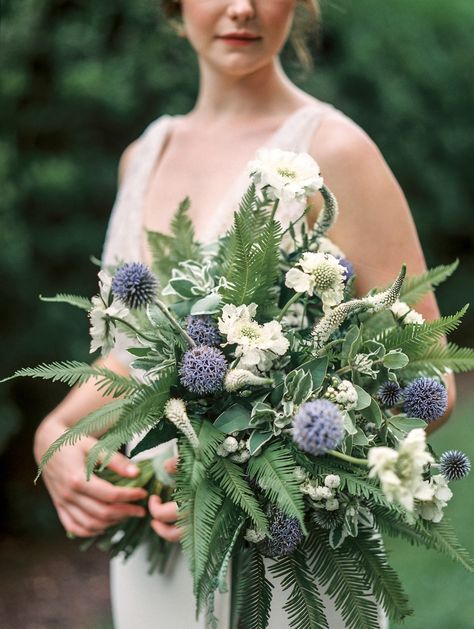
(203, 330)
(285, 175)
(203, 370)
(349, 268)
(454, 464)
(135, 285)
(425, 398)
(318, 427)
(175, 412)
(285, 534)
(390, 393)
(328, 519)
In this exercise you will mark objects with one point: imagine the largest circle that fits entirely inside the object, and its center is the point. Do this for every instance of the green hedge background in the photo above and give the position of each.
(82, 79)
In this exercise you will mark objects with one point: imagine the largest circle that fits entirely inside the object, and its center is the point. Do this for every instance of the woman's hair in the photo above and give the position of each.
(307, 22)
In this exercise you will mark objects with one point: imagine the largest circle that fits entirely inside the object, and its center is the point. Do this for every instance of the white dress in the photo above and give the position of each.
(165, 601)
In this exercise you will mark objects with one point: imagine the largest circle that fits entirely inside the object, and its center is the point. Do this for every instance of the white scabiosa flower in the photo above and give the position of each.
(405, 314)
(433, 509)
(400, 471)
(257, 345)
(175, 412)
(320, 274)
(285, 175)
(104, 305)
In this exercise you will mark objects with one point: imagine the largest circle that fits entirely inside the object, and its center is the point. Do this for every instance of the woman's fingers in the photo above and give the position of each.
(70, 526)
(107, 492)
(169, 532)
(163, 511)
(122, 465)
(171, 465)
(109, 513)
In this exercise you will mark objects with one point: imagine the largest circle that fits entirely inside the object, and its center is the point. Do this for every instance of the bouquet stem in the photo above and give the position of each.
(169, 315)
(348, 458)
(291, 301)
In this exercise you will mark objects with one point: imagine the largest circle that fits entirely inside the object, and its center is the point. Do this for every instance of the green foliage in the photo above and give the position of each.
(254, 592)
(414, 288)
(437, 358)
(168, 250)
(445, 540)
(304, 606)
(84, 303)
(273, 470)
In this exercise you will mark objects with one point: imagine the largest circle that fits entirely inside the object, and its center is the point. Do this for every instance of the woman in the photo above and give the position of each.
(245, 101)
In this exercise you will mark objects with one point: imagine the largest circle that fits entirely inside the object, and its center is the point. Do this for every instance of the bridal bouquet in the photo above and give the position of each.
(299, 409)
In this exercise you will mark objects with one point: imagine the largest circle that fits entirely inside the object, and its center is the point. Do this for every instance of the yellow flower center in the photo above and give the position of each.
(250, 331)
(287, 173)
(325, 276)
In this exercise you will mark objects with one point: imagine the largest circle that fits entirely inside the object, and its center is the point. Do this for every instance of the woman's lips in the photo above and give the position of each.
(233, 40)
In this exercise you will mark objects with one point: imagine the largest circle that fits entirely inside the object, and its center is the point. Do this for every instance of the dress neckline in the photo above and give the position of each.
(236, 186)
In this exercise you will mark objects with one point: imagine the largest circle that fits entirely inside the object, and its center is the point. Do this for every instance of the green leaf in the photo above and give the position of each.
(395, 359)
(73, 300)
(363, 398)
(161, 433)
(234, 418)
(273, 470)
(207, 305)
(436, 359)
(253, 592)
(351, 345)
(373, 413)
(414, 288)
(406, 424)
(445, 540)
(258, 439)
(231, 479)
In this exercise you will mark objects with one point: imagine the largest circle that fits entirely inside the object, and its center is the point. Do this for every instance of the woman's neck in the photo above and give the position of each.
(268, 90)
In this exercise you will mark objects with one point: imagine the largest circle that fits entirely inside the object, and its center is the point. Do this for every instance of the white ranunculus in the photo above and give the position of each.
(102, 330)
(321, 275)
(284, 174)
(432, 509)
(400, 471)
(257, 345)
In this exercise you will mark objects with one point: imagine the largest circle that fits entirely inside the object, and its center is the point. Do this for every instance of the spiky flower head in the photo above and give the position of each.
(285, 534)
(347, 264)
(203, 370)
(175, 412)
(135, 285)
(454, 464)
(425, 398)
(328, 519)
(318, 427)
(333, 319)
(386, 299)
(237, 379)
(390, 393)
(203, 330)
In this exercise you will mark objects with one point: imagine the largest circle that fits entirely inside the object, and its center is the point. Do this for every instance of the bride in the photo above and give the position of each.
(245, 101)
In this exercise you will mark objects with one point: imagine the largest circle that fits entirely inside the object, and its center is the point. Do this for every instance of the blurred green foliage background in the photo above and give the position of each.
(82, 79)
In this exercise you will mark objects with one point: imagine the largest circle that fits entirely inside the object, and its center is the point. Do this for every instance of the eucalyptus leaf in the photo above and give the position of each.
(349, 426)
(373, 413)
(207, 305)
(351, 344)
(233, 419)
(407, 423)
(395, 359)
(258, 440)
(363, 398)
(360, 438)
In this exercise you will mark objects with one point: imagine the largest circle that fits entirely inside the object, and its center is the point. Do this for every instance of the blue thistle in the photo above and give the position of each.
(425, 398)
(318, 427)
(390, 393)
(285, 534)
(135, 285)
(347, 264)
(454, 465)
(203, 330)
(203, 369)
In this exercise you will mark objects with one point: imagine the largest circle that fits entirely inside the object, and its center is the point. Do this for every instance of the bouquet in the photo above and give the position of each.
(299, 409)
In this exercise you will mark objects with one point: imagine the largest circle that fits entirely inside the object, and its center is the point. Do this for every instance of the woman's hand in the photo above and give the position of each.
(165, 514)
(85, 507)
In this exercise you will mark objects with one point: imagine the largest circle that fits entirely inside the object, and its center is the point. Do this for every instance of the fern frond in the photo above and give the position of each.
(232, 480)
(415, 287)
(73, 372)
(266, 262)
(304, 606)
(273, 471)
(444, 539)
(254, 592)
(438, 358)
(84, 303)
(383, 580)
(410, 338)
(97, 421)
(341, 575)
(387, 522)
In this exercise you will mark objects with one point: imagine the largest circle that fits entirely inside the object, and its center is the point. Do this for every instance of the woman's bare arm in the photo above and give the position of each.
(375, 227)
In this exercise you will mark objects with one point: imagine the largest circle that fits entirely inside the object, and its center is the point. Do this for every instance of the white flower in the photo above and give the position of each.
(402, 311)
(400, 471)
(332, 481)
(288, 175)
(102, 330)
(332, 504)
(253, 536)
(321, 275)
(295, 317)
(257, 345)
(433, 509)
(175, 412)
(343, 394)
(300, 474)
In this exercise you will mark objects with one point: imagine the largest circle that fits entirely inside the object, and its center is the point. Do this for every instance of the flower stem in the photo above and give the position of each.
(291, 301)
(133, 328)
(274, 209)
(349, 459)
(323, 350)
(171, 318)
